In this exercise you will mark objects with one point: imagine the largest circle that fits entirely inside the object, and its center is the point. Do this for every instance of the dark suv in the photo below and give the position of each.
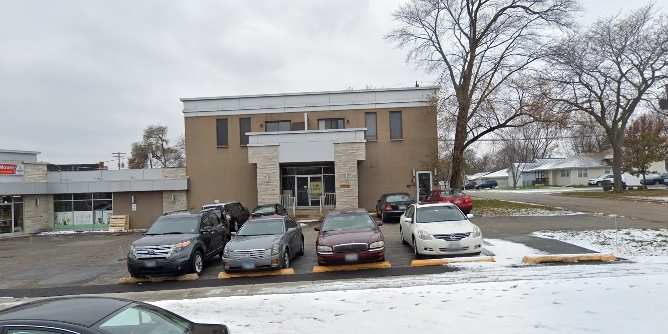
(234, 214)
(487, 184)
(178, 243)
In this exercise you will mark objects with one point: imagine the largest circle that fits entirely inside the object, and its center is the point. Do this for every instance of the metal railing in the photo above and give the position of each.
(289, 203)
(328, 202)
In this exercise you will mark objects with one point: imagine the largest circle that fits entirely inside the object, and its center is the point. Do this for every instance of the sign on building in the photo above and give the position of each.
(11, 169)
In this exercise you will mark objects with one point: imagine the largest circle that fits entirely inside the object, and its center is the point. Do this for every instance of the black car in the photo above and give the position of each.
(86, 315)
(233, 213)
(393, 205)
(178, 243)
(487, 184)
(269, 210)
(470, 185)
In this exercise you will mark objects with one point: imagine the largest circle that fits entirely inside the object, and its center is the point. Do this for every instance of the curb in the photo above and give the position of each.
(349, 267)
(281, 272)
(440, 262)
(568, 258)
(133, 280)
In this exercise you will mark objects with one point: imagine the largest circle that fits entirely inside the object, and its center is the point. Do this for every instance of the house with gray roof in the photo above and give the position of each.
(576, 169)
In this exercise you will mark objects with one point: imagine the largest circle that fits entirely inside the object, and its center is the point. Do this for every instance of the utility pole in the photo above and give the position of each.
(118, 155)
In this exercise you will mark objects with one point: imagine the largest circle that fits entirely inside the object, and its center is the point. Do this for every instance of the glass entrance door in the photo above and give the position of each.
(424, 184)
(6, 218)
(303, 196)
(315, 186)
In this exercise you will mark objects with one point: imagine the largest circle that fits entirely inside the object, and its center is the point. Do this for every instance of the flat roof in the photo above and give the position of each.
(19, 152)
(312, 93)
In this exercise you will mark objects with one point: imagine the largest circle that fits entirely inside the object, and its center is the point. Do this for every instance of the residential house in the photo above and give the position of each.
(576, 169)
(502, 177)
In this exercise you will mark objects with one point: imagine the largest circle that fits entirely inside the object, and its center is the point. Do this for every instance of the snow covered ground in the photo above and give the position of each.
(623, 242)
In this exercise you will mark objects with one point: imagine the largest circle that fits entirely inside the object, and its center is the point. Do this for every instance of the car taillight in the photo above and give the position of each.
(275, 214)
(467, 199)
(388, 207)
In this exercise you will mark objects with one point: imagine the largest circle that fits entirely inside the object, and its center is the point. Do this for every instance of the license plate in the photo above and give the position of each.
(454, 247)
(402, 207)
(150, 263)
(351, 257)
(458, 201)
(248, 265)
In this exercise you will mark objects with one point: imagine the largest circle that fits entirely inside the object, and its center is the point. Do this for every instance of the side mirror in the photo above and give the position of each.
(469, 216)
(379, 223)
(317, 228)
(408, 220)
(245, 208)
(378, 201)
(233, 234)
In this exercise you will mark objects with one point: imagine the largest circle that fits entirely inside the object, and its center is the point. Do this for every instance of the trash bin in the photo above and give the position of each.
(607, 185)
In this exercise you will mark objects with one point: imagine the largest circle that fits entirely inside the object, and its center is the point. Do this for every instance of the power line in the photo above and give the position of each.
(118, 155)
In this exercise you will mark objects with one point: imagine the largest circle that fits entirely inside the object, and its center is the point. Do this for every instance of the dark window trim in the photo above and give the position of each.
(277, 122)
(401, 123)
(242, 136)
(227, 131)
(366, 133)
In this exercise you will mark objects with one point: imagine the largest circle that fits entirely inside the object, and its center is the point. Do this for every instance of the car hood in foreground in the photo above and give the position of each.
(253, 242)
(333, 238)
(447, 227)
(163, 239)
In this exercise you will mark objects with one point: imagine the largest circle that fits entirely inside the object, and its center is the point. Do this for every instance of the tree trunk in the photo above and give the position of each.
(458, 149)
(617, 167)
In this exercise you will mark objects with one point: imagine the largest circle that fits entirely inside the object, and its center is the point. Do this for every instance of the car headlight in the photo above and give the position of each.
(476, 232)
(275, 248)
(180, 246)
(324, 249)
(226, 251)
(424, 235)
(377, 244)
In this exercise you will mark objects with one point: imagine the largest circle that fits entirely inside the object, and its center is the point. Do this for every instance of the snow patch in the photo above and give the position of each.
(624, 242)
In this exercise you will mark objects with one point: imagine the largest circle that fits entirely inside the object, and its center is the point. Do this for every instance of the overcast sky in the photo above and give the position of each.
(82, 79)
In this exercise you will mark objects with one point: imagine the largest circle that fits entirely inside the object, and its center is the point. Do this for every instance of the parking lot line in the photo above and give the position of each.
(349, 267)
(568, 258)
(441, 262)
(133, 280)
(287, 271)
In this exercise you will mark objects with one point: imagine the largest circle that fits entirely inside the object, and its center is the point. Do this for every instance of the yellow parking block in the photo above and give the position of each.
(133, 280)
(287, 271)
(349, 267)
(568, 258)
(441, 262)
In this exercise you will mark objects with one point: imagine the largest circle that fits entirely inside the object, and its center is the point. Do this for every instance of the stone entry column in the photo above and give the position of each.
(268, 173)
(346, 156)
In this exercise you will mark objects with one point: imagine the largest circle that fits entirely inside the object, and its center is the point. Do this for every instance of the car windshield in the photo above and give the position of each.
(398, 198)
(144, 319)
(262, 227)
(174, 225)
(264, 209)
(348, 222)
(432, 214)
(451, 192)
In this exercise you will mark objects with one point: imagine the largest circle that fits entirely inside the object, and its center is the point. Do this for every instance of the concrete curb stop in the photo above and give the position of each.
(568, 258)
(441, 262)
(349, 267)
(281, 272)
(133, 280)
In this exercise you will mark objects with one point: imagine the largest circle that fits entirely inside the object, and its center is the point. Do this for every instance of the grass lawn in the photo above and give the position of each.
(610, 194)
(494, 207)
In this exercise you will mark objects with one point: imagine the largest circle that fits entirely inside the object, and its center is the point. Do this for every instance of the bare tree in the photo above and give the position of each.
(586, 135)
(480, 49)
(607, 70)
(155, 151)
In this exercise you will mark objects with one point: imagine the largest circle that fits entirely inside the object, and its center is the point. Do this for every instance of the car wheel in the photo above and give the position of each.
(403, 241)
(301, 250)
(598, 184)
(197, 263)
(478, 253)
(320, 263)
(236, 226)
(467, 212)
(415, 249)
(286, 258)
(382, 217)
(382, 259)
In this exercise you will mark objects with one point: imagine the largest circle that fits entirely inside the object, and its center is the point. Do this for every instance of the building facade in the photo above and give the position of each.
(332, 149)
(34, 199)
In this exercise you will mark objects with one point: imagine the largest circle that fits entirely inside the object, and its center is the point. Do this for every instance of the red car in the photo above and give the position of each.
(349, 236)
(454, 196)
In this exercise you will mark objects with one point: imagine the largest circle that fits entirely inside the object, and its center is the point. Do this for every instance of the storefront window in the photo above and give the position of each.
(82, 211)
(11, 214)
(308, 184)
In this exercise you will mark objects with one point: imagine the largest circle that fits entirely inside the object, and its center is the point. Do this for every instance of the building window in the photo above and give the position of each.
(277, 126)
(582, 172)
(89, 211)
(331, 123)
(370, 124)
(607, 171)
(244, 126)
(221, 132)
(565, 173)
(395, 125)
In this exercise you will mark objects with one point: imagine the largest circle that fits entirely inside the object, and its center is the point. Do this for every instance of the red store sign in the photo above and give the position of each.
(11, 169)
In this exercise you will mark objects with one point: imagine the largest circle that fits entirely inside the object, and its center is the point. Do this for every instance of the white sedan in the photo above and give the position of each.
(439, 229)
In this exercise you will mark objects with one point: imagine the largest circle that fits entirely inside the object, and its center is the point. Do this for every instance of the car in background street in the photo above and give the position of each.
(234, 213)
(454, 196)
(393, 205)
(487, 184)
(349, 236)
(439, 229)
(469, 185)
(651, 179)
(177, 243)
(97, 315)
(264, 243)
(605, 177)
(268, 210)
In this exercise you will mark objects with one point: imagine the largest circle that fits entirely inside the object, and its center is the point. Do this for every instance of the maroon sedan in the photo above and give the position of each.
(349, 236)
(454, 196)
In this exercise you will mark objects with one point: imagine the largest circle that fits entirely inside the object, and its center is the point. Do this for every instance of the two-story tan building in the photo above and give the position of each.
(335, 149)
